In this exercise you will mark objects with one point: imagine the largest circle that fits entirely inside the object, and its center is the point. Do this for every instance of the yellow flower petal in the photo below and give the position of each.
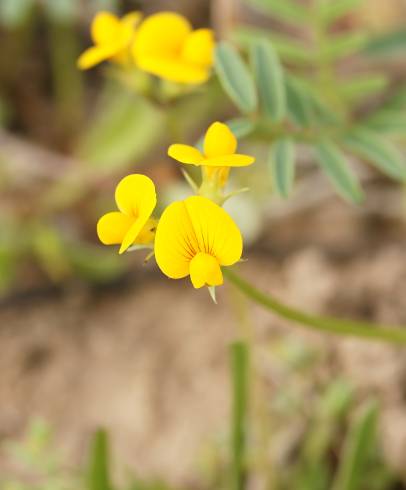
(219, 141)
(95, 55)
(104, 28)
(112, 227)
(194, 226)
(235, 160)
(185, 154)
(132, 234)
(175, 241)
(136, 197)
(205, 271)
(131, 19)
(215, 231)
(199, 47)
(161, 35)
(172, 69)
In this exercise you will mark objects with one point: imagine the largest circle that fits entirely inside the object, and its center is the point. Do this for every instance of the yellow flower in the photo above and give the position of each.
(168, 48)
(195, 237)
(219, 150)
(112, 39)
(132, 224)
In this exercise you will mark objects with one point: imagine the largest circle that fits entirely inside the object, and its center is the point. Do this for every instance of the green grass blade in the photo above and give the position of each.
(334, 164)
(282, 165)
(98, 470)
(239, 372)
(357, 448)
(378, 151)
(270, 79)
(235, 77)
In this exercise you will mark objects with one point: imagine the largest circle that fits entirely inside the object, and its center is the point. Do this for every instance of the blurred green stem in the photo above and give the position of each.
(240, 377)
(384, 333)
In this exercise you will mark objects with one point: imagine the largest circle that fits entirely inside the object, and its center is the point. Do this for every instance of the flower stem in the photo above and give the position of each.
(371, 331)
(239, 372)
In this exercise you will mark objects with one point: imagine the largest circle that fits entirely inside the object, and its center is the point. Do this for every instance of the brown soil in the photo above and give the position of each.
(149, 360)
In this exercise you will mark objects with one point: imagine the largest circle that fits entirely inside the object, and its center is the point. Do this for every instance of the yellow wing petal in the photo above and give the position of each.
(215, 231)
(95, 55)
(234, 160)
(172, 69)
(112, 227)
(104, 28)
(205, 271)
(161, 35)
(199, 47)
(131, 19)
(185, 154)
(131, 235)
(135, 196)
(175, 241)
(219, 141)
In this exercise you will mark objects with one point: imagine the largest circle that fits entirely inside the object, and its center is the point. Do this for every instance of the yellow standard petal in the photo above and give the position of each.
(112, 227)
(196, 227)
(219, 141)
(185, 154)
(135, 196)
(161, 35)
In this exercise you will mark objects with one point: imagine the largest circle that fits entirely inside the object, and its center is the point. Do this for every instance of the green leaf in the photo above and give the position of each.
(289, 49)
(124, 128)
(357, 449)
(387, 45)
(298, 103)
(332, 10)
(343, 45)
(363, 86)
(270, 79)
(388, 121)
(13, 13)
(235, 78)
(282, 164)
(98, 471)
(336, 168)
(378, 151)
(240, 126)
(289, 11)
(62, 11)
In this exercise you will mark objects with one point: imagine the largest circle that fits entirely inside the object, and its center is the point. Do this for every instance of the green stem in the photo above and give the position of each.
(385, 333)
(239, 371)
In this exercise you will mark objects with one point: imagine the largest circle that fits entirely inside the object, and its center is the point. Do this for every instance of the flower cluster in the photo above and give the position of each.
(164, 44)
(194, 237)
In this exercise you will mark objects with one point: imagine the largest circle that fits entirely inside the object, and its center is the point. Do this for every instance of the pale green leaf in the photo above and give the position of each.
(240, 126)
(282, 166)
(342, 45)
(299, 103)
(270, 79)
(335, 166)
(235, 77)
(362, 86)
(13, 13)
(290, 11)
(378, 151)
(388, 121)
(332, 10)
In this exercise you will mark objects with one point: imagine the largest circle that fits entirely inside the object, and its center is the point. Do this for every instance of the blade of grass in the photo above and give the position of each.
(239, 372)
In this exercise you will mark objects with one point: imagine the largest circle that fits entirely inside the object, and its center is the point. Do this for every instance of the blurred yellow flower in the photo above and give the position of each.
(112, 39)
(132, 224)
(167, 47)
(195, 237)
(219, 149)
